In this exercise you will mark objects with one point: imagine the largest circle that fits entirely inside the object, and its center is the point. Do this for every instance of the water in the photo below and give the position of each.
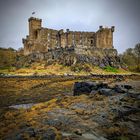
(89, 136)
(22, 106)
(66, 134)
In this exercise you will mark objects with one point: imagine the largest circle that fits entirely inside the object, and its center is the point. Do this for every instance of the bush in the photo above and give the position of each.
(131, 57)
(81, 67)
(110, 69)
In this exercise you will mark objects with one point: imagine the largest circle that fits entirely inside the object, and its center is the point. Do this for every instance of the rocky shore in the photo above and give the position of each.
(93, 110)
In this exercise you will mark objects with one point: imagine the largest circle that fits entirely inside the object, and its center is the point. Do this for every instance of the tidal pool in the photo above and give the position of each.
(22, 106)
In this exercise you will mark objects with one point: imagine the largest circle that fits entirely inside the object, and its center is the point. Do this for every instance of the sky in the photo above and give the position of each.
(82, 15)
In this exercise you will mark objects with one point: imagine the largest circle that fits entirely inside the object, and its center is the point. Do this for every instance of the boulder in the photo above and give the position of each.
(84, 88)
(93, 92)
(127, 87)
(88, 87)
(106, 91)
(78, 132)
(102, 85)
(120, 89)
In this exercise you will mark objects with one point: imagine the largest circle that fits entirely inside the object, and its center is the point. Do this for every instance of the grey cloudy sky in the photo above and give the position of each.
(85, 15)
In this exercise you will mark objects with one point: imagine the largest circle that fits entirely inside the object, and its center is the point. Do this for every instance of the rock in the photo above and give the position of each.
(78, 132)
(83, 87)
(127, 87)
(53, 122)
(102, 85)
(49, 135)
(79, 105)
(133, 94)
(106, 91)
(120, 89)
(93, 92)
(88, 88)
(126, 110)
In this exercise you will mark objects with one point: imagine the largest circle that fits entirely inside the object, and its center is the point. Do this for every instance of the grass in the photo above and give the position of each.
(111, 69)
(57, 69)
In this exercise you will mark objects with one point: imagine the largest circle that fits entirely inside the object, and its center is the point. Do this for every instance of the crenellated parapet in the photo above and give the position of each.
(34, 19)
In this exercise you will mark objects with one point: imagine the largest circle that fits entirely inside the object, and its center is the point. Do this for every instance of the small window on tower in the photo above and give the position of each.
(91, 41)
(35, 34)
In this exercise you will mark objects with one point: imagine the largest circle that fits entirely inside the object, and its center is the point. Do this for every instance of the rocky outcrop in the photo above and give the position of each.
(68, 57)
(99, 87)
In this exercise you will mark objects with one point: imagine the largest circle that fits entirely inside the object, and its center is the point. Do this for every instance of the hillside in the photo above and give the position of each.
(13, 62)
(7, 58)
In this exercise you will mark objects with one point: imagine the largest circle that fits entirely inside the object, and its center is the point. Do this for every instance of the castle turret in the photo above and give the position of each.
(104, 37)
(113, 28)
(34, 24)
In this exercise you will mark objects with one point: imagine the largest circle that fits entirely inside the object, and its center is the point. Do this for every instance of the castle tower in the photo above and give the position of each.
(104, 37)
(34, 24)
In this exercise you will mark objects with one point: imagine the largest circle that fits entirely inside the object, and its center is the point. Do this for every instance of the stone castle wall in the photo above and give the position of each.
(42, 40)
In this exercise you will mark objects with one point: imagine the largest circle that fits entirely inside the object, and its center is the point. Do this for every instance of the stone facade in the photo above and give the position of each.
(43, 40)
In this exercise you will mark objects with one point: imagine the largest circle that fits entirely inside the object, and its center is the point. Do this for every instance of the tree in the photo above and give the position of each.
(137, 54)
(131, 57)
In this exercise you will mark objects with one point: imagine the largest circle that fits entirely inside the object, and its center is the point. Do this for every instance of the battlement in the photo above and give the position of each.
(101, 28)
(34, 19)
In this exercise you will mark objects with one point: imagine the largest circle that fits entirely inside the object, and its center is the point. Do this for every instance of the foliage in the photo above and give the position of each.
(131, 57)
(7, 57)
(110, 69)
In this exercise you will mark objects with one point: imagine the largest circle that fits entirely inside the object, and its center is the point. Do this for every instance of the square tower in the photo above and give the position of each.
(34, 25)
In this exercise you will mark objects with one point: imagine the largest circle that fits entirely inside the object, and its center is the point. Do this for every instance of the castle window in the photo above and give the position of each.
(35, 34)
(91, 42)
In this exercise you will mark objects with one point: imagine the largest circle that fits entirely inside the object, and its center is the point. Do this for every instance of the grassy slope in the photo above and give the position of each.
(8, 57)
(57, 69)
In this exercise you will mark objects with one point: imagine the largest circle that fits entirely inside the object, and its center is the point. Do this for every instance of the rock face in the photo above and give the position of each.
(68, 57)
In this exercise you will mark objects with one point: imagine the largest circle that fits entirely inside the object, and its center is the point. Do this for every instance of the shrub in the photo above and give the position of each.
(80, 67)
(111, 69)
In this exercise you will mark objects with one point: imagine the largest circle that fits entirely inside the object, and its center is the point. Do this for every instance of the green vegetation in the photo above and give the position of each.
(111, 69)
(7, 58)
(131, 57)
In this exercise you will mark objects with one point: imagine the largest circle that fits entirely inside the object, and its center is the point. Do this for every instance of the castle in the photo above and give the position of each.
(42, 40)
(69, 47)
